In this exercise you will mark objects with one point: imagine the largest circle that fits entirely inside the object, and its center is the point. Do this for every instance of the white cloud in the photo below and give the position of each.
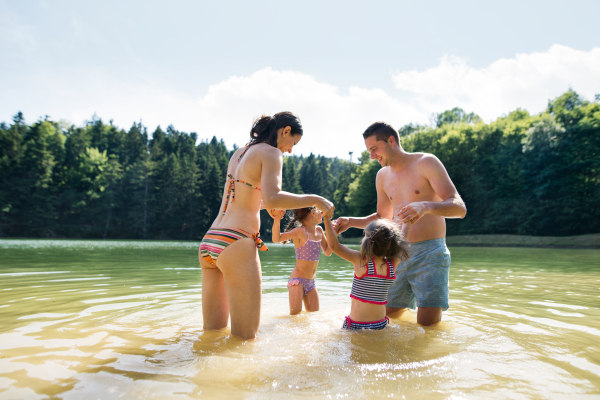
(332, 121)
(526, 81)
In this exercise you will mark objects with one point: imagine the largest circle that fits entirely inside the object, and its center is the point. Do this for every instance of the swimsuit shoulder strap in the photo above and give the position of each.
(244, 152)
(391, 269)
(372, 265)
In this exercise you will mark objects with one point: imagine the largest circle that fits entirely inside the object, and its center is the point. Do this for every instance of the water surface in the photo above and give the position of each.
(110, 319)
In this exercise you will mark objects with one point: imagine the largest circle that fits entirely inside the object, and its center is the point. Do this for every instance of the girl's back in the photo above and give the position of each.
(369, 291)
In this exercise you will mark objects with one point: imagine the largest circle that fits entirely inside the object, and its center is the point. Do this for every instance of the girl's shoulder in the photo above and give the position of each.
(300, 232)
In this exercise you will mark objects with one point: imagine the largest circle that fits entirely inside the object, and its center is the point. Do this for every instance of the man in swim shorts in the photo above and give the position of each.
(413, 187)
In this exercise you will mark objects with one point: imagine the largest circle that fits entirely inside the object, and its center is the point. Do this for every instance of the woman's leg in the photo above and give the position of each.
(311, 301)
(240, 266)
(296, 292)
(215, 309)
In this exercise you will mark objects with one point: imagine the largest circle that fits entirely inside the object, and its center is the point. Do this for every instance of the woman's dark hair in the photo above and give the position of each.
(300, 215)
(264, 129)
(383, 238)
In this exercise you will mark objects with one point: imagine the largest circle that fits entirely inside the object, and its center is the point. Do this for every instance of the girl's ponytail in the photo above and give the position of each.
(300, 215)
(289, 228)
(366, 248)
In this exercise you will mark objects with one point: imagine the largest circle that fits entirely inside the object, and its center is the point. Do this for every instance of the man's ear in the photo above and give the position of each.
(391, 140)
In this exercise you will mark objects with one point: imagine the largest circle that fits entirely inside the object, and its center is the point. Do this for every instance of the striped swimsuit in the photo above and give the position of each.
(218, 238)
(371, 288)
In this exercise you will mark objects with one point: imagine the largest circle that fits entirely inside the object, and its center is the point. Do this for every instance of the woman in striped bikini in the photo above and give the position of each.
(308, 240)
(382, 248)
(231, 273)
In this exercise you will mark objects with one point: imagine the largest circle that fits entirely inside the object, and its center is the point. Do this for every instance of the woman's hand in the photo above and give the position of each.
(325, 206)
(277, 214)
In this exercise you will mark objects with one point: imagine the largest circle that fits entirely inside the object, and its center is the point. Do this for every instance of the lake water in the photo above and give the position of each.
(122, 319)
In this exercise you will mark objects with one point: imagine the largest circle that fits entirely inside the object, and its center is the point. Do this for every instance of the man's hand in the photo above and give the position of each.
(277, 214)
(341, 224)
(413, 212)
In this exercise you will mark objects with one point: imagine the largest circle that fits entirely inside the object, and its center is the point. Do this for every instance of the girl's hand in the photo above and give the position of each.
(325, 206)
(277, 214)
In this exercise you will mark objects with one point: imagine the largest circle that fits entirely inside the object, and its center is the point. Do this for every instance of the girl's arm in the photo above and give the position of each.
(324, 245)
(347, 254)
(277, 236)
(276, 230)
(405, 230)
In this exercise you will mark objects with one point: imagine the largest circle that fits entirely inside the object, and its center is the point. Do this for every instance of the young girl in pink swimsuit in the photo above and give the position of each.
(383, 247)
(308, 240)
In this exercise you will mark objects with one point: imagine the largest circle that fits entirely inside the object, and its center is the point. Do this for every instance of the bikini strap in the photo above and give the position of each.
(230, 192)
(244, 152)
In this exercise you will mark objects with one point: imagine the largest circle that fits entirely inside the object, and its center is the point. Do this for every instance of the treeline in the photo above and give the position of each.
(521, 174)
(100, 181)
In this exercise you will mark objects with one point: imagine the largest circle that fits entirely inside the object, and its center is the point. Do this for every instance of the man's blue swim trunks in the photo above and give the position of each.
(422, 280)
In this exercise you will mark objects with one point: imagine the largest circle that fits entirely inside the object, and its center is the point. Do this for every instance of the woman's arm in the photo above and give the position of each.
(324, 244)
(274, 197)
(347, 254)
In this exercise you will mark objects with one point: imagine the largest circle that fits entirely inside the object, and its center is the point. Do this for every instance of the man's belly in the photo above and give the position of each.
(427, 228)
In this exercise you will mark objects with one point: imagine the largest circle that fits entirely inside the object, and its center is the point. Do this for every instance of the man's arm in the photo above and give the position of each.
(452, 205)
(384, 209)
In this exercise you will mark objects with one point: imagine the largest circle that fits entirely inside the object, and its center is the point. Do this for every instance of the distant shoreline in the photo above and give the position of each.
(590, 241)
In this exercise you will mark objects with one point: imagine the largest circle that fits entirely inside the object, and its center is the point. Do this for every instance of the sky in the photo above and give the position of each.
(212, 67)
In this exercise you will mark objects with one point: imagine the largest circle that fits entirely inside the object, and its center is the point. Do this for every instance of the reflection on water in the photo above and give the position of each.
(87, 319)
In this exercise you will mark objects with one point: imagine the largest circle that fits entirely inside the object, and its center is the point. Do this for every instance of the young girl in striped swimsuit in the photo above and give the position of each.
(308, 240)
(383, 247)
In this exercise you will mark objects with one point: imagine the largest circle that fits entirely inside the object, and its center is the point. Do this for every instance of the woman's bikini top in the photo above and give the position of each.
(309, 251)
(232, 181)
(373, 288)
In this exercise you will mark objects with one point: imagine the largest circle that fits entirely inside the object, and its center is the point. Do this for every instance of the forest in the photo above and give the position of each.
(520, 174)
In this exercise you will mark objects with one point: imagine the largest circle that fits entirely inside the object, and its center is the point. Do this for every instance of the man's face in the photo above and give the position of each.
(378, 149)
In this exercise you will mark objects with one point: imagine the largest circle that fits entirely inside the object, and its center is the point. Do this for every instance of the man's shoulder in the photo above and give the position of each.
(383, 172)
(424, 159)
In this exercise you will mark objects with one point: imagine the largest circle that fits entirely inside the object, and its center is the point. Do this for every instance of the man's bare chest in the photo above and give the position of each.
(403, 188)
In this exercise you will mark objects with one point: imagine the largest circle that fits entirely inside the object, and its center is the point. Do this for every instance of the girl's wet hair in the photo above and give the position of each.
(383, 238)
(264, 129)
(300, 215)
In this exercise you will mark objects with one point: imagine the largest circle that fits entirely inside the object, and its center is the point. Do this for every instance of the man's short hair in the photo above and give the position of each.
(382, 131)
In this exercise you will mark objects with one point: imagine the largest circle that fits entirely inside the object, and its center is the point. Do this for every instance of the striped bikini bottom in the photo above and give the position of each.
(349, 324)
(218, 238)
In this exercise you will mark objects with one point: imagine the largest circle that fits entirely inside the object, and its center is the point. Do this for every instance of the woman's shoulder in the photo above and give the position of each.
(265, 148)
